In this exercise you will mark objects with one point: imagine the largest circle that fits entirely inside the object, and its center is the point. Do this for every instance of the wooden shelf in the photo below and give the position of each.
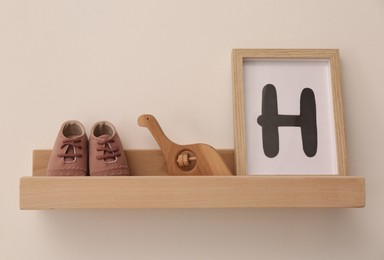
(144, 191)
(190, 192)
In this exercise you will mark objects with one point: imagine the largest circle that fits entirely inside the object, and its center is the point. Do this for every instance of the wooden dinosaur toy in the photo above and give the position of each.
(192, 159)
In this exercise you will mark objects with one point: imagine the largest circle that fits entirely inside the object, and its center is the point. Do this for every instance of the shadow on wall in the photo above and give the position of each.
(158, 232)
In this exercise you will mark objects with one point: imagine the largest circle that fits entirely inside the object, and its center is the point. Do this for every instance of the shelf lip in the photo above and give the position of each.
(191, 192)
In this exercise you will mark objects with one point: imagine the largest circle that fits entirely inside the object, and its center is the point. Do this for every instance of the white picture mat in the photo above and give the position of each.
(289, 77)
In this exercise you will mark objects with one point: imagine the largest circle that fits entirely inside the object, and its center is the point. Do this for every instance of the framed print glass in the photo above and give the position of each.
(288, 112)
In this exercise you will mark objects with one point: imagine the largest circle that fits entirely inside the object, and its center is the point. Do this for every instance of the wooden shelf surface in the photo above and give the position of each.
(190, 192)
(144, 191)
(141, 162)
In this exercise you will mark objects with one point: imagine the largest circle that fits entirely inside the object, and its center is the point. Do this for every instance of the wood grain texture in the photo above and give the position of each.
(149, 187)
(141, 162)
(238, 57)
(207, 161)
(190, 192)
(238, 112)
(338, 114)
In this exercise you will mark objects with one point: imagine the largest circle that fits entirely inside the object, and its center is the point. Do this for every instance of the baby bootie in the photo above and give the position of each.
(69, 155)
(106, 153)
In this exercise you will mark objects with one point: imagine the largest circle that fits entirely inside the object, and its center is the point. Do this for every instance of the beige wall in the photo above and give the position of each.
(114, 60)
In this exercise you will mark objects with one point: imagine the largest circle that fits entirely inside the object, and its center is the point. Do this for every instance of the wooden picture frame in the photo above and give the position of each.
(261, 80)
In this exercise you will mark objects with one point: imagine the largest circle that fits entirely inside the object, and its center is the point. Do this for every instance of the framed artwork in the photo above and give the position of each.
(288, 112)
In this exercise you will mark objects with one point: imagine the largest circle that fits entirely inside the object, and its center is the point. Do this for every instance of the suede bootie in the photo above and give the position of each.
(69, 155)
(106, 153)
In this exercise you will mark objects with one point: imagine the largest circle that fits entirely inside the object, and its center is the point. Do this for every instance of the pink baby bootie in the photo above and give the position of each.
(106, 153)
(69, 155)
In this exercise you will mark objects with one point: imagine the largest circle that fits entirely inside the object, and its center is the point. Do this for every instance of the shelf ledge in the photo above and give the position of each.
(191, 192)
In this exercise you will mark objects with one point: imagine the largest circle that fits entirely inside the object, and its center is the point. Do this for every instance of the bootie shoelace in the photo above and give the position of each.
(110, 153)
(70, 154)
